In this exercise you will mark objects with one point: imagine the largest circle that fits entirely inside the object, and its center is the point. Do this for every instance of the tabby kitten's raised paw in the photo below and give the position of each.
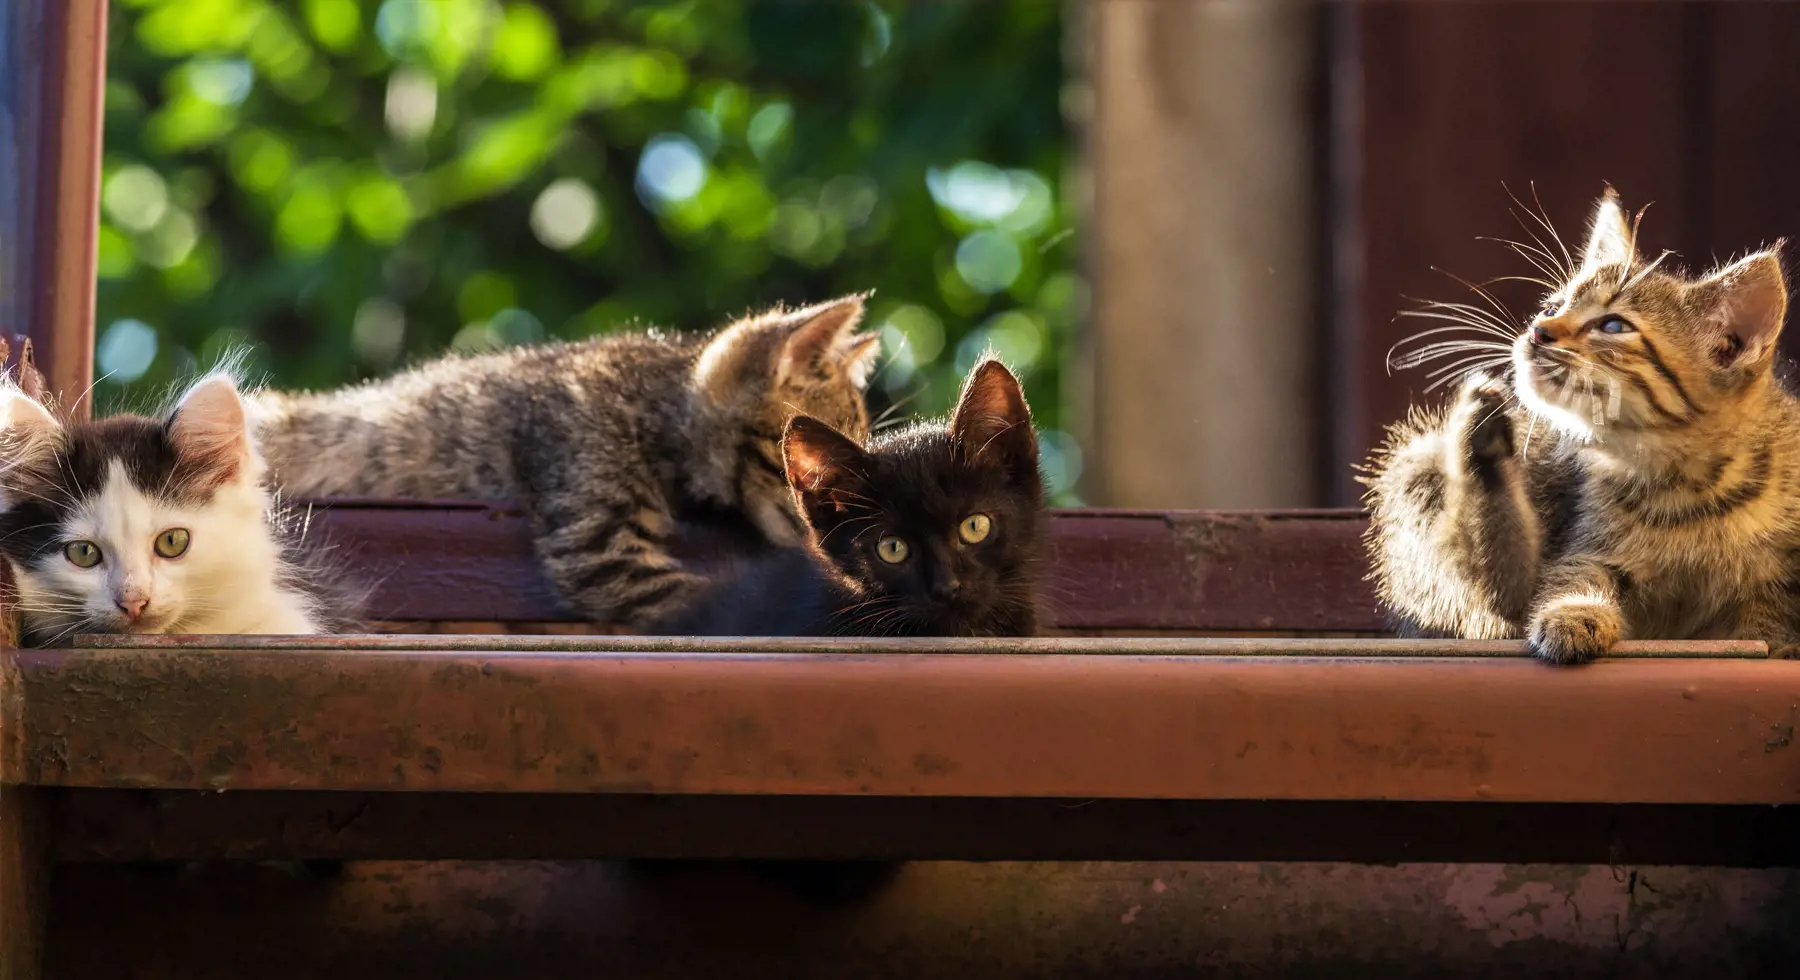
(1575, 630)
(1482, 422)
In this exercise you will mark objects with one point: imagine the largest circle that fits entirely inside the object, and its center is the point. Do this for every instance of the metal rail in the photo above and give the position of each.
(1650, 729)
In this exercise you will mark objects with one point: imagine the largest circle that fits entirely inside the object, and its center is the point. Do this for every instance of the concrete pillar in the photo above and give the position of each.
(1204, 238)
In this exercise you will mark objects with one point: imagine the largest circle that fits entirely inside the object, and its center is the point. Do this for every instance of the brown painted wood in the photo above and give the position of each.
(134, 825)
(1650, 730)
(1752, 149)
(1439, 104)
(1181, 571)
(63, 138)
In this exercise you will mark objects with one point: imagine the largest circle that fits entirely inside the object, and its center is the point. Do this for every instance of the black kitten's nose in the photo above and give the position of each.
(1541, 336)
(947, 588)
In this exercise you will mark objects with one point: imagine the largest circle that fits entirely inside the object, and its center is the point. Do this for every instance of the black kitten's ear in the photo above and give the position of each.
(827, 472)
(992, 421)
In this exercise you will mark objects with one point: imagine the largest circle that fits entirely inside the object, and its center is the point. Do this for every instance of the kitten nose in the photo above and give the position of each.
(1541, 336)
(947, 587)
(132, 605)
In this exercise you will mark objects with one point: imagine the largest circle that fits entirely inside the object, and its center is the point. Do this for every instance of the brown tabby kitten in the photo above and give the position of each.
(605, 442)
(1646, 484)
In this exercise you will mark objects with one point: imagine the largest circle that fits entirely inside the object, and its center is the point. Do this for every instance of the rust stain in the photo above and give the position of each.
(932, 764)
(1783, 737)
(1197, 546)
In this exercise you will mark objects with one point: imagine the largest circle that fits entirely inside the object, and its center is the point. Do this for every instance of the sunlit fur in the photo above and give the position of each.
(918, 485)
(1634, 484)
(606, 442)
(121, 482)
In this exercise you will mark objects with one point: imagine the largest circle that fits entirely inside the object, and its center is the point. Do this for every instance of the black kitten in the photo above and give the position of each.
(931, 531)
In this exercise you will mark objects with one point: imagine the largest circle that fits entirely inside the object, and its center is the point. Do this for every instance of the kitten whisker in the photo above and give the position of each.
(1540, 260)
(1480, 360)
(1464, 313)
(1505, 314)
(1448, 378)
(1543, 219)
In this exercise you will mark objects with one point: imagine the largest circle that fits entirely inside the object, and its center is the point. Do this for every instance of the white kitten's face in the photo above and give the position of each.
(132, 525)
(135, 562)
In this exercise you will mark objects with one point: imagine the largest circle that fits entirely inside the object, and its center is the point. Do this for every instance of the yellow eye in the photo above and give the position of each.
(82, 554)
(892, 550)
(975, 528)
(173, 543)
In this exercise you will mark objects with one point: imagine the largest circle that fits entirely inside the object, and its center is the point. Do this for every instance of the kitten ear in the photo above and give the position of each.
(25, 423)
(992, 421)
(1609, 236)
(826, 470)
(1747, 301)
(211, 430)
(823, 335)
(796, 345)
(860, 355)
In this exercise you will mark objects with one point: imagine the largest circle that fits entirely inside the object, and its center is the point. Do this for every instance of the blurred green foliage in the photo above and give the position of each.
(349, 185)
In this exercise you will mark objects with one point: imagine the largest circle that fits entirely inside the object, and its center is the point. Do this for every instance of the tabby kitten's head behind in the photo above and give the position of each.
(138, 525)
(935, 528)
(1630, 348)
(754, 376)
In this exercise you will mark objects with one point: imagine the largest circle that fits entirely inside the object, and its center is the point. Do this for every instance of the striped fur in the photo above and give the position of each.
(1638, 477)
(605, 442)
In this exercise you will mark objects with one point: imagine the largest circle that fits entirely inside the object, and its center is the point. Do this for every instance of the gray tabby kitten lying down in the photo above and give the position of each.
(1639, 478)
(606, 442)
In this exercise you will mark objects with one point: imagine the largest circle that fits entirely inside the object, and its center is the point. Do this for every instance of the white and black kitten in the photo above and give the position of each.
(934, 530)
(138, 525)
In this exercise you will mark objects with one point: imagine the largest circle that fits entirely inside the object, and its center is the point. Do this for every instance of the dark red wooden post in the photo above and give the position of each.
(52, 81)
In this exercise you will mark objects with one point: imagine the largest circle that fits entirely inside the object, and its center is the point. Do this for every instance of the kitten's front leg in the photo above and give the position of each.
(1774, 618)
(1578, 616)
(609, 559)
(1493, 525)
(1456, 539)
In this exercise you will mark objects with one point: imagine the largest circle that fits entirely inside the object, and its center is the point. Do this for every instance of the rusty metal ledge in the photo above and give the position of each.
(1013, 646)
(1638, 730)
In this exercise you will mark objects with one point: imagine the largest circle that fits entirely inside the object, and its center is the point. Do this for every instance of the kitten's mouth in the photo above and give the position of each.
(1581, 400)
(143, 625)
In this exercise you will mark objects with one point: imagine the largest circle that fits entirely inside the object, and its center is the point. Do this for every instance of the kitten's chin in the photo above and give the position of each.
(1541, 396)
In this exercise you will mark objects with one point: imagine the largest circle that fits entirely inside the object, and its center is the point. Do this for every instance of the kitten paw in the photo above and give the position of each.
(1575, 631)
(1784, 651)
(1482, 422)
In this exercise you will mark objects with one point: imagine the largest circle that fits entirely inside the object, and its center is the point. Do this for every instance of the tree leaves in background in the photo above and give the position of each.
(349, 185)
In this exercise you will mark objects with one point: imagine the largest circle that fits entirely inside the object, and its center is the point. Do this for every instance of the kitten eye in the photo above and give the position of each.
(173, 543)
(82, 554)
(1549, 310)
(892, 550)
(975, 528)
(1616, 324)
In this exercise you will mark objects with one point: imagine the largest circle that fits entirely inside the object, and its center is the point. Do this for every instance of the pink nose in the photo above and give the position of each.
(132, 606)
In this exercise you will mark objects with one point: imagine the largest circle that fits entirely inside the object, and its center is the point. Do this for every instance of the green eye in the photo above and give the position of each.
(82, 554)
(172, 543)
(975, 528)
(892, 550)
